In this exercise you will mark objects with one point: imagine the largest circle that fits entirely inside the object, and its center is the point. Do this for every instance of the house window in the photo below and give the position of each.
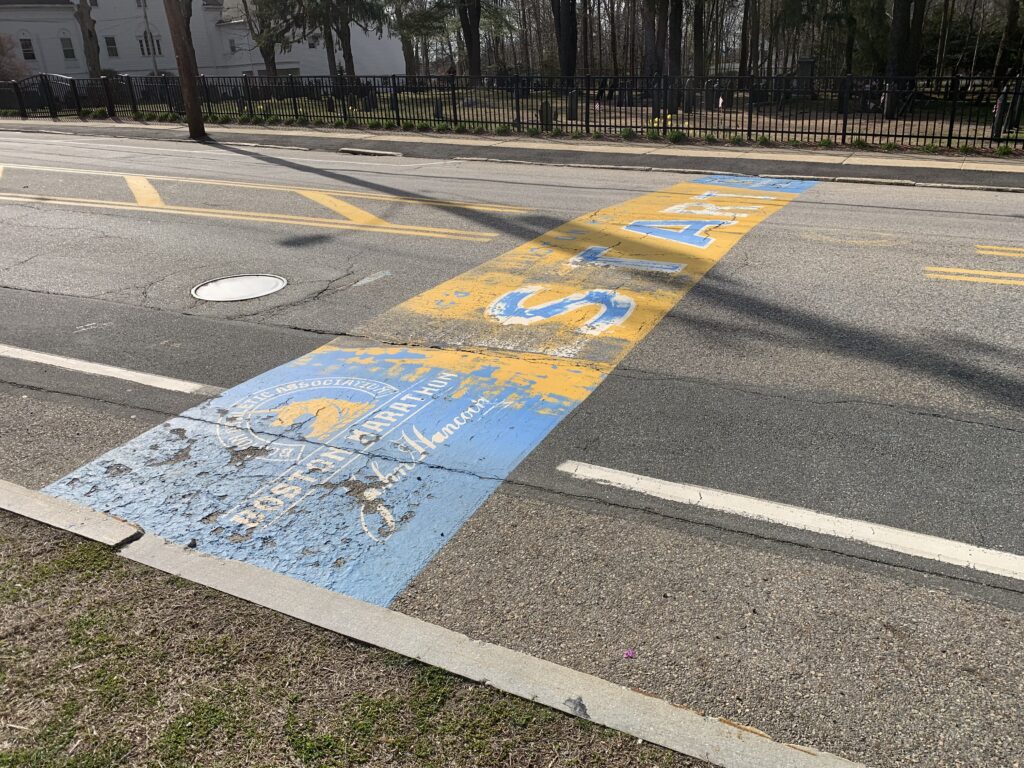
(68, 46)
(94, 3)
(313, 42)
(140, 3)
(111, 47)
(27, 51)
(232, 45)
(149, 44)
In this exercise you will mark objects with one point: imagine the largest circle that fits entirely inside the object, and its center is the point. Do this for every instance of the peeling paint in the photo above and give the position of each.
(350, 467)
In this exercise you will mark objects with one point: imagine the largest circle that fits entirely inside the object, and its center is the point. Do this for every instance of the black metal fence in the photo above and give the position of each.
(941, 112)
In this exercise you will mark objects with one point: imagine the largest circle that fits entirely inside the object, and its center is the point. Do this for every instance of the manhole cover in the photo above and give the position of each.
(239, 287)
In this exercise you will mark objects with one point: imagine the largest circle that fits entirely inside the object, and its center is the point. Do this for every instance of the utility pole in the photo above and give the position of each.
(188, 70)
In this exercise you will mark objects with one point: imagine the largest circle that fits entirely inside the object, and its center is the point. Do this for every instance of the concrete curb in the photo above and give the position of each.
(81, 521)
(782, 175)
(643, 715)
(634, 712)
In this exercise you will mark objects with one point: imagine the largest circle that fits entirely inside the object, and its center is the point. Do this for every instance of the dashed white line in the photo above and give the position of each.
(109, 371)
(882, 536)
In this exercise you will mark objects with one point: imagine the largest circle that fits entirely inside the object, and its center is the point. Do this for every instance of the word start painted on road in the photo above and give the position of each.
(351, 466)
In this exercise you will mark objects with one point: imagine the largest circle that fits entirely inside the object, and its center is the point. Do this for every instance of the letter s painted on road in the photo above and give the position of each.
(612, 308)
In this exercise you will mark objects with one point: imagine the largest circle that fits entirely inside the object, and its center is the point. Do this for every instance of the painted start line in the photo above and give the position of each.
(351, 466)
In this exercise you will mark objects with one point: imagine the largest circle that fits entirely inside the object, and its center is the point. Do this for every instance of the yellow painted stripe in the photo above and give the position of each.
(145, 193)
(216, 213)
(456, 313)
(988, 272)
(994, 250)
(969, 279)
(441, 203)
(349, 211)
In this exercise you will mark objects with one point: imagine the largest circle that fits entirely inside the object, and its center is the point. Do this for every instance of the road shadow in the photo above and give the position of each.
(521, 226)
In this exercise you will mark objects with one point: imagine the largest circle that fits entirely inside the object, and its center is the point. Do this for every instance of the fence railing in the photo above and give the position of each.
(843, 110)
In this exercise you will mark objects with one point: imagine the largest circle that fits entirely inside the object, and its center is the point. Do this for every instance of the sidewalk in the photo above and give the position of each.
(821, 164)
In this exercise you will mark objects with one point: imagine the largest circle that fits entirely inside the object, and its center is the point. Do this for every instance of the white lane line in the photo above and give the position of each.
(881, 536)
(110, 371)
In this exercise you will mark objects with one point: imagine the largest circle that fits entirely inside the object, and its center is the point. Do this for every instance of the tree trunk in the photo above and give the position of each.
(649, 15)
(698, 42)
(188, 71)
(566, 35)
(1005, 51)
(899, 40)
(745, 41)
(613, 37)
(469, 19)
(268, 52)
(344, 30)
(754, 60)
(332, 61)
(408, 47)
(851, 39)
(675, 38)
(660, 34)
(90, 43)
(913, 57)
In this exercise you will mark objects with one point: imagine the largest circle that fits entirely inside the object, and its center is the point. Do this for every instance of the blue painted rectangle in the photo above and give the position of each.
(347, 468)
(760, 183)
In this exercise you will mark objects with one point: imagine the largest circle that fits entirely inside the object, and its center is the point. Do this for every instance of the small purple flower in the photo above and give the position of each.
(629, 653)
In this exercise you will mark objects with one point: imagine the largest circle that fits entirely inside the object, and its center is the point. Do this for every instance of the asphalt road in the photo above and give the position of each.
(857, 354)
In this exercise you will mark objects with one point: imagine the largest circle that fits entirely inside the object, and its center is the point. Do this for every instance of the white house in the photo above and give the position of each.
(134, 40)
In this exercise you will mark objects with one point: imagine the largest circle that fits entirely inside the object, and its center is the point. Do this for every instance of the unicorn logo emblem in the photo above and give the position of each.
(322, 416)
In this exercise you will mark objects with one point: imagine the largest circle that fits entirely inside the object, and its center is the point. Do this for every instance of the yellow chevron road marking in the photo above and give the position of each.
(268, 218)
(145, 193)
(490, 207)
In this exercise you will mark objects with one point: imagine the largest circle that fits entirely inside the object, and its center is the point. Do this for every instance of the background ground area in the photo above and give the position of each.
(856, 354)
(838, 162)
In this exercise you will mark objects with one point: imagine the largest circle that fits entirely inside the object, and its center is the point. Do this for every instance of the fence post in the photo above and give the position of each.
(750, 110)
(108, 94)
(167, 92)
(20, 98)
(517, 114)
(954, 93)
(586, 103)
(129, 85)
(664, 104)
(78, 98)
(206, 94)
(395, 107)
(845, 103)
(291, 92)
(455, 102)
(248, 93)
(44, 80)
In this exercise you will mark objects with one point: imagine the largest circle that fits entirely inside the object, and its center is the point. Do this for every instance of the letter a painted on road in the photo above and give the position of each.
(686, 231)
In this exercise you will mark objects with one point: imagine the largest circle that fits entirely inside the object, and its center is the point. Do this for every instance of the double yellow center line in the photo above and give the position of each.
(974, 275)
(992, 276)
(346, 215)
(1000, 250)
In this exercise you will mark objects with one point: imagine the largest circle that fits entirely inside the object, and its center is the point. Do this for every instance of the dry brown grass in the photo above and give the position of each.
(104, 662)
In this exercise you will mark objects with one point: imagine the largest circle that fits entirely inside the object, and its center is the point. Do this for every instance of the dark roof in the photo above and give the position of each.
(35, 2)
